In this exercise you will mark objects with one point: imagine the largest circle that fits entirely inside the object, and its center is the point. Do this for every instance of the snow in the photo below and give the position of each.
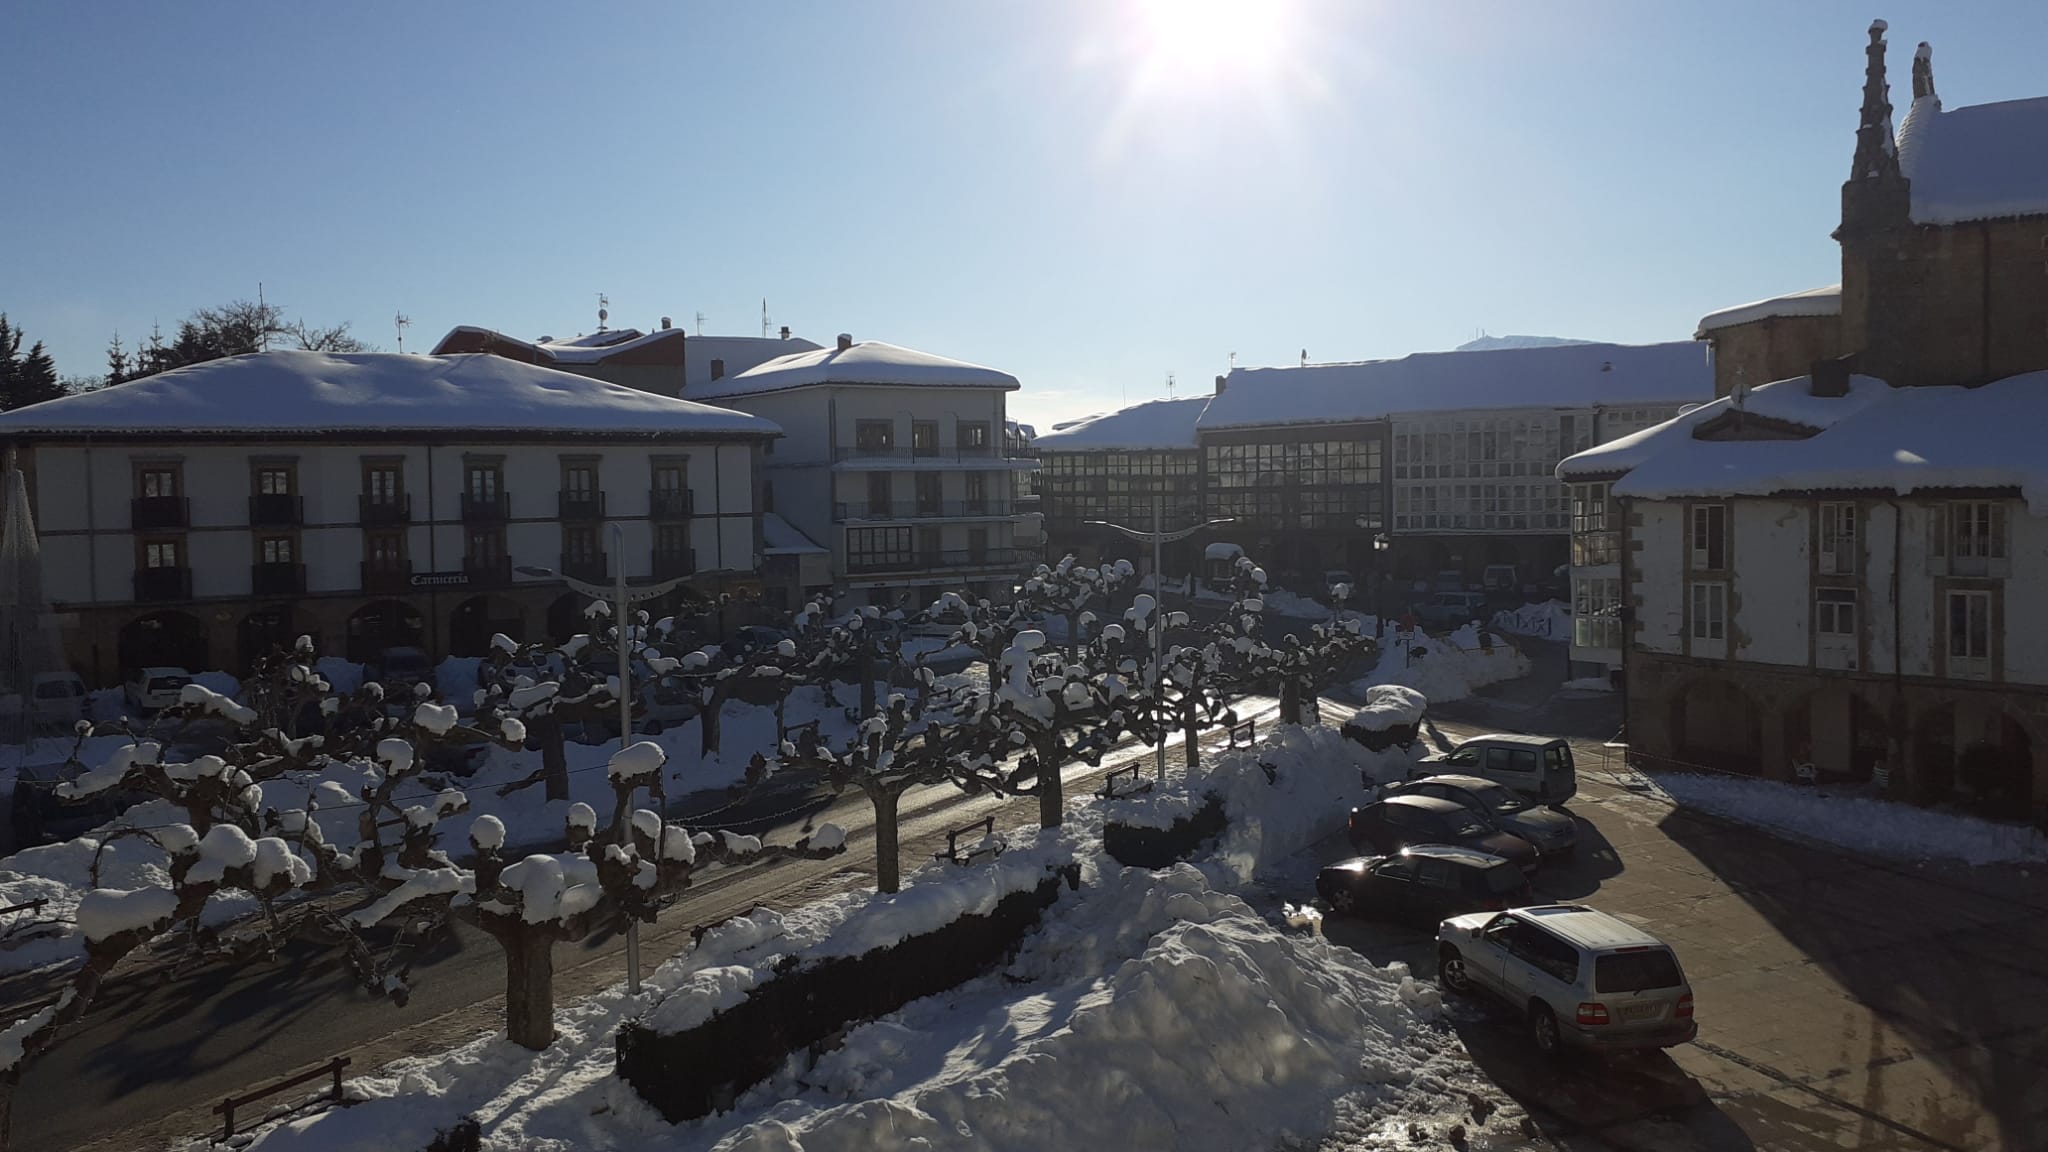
(1859, 823)
(455, 677)
(1497, 343)
(639, 761)
(781, 538)
(223, 847)
(105, 912)
(866, 362)
(1389, 706)
(14, 1040)
(377, 392)
(828, 837)
(1281, 602)
(1812, 302)
(553, 886)
(199, 695)
(1979, 162)
(1222, 550)
(487, 833)
(1153, 426)
(342, 675)
(1587, 684)
(436, 718)
(1895, 440)
(1445, 668)
(1562, 376)
(1789, 402)
(1550, 620)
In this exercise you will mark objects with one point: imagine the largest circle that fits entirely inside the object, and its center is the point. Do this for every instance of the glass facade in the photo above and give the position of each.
(1118, 487)
(1484, 474)
(1306, 485)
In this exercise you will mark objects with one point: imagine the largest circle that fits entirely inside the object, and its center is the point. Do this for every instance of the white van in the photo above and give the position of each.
(1538, 766)
(58, 699)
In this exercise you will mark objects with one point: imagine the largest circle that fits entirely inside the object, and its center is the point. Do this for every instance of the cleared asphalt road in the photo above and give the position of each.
(155, 1053)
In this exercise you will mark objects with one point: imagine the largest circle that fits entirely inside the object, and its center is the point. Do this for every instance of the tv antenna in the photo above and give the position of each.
(403, 322)
(603, 311)
(764, 318)
(700, 323)
(1169, 385)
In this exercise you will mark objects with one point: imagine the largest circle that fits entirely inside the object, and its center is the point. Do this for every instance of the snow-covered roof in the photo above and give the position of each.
(375, 392)
(1812, 302)
(1895, 440)
(866, 362)
(1558, 376)
(1153, 426)
(1975, 163)
(1788, 402)
(781, 538)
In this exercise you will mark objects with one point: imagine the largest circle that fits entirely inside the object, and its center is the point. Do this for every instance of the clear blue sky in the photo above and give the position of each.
(1089, 193)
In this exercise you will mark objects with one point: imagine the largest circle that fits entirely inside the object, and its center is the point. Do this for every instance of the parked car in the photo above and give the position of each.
(154, 689)
(1447, 610)
(1449, 580)
(1333, 578)
(57, 699)
(398, 669)
(1581, 978)
(1500, 580)
(1423, 884)
(1554, 833)
(1404, 821)
(1536, 766)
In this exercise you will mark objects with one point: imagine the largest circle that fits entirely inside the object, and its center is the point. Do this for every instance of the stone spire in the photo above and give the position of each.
(1923, 71)
(1876, 156)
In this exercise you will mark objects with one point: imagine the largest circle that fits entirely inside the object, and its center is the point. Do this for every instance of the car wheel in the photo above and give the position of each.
(1543, 1029)
(1450, 972)
(1343, 901)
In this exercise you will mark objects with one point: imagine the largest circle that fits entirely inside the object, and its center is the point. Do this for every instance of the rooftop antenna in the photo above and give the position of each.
(700, 323)
(1169, 385)
(403, 322)
(1304, 357)
(263, 318)
(603, 311)
(764, 318)
(1233, 361)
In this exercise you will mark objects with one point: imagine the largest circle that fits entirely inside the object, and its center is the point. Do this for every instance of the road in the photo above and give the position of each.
(155, 1052)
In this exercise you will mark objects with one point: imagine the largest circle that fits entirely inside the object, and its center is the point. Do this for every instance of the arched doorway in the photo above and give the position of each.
(476, 619)
(164, 640)
(1838, 732)
(382, 624)
(1981, 755)
(1714, 725)
(566, 617)
(263, 632)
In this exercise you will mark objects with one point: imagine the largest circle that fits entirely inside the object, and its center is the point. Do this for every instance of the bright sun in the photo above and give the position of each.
(1206, 42)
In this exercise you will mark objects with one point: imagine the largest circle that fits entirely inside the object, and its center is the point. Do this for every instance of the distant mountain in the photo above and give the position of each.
(1489, 343)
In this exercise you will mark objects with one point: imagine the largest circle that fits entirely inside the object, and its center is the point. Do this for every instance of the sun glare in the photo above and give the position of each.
(1205, 41)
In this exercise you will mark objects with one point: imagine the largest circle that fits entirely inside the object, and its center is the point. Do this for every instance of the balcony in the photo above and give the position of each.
(900, 452)
(572, 505)
(274, 510)
(589, 568)
(146, 513)
(277, 579)
(936, 561)
(490, 572)
(387, 575)
(923, 510)
(163, 583)
(489, 509)
(393, 509)
(673, 563)
(670, 503)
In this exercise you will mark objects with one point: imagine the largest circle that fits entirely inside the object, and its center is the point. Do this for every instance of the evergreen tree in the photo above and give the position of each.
(117, 362)
(35, 380)
(10, 359)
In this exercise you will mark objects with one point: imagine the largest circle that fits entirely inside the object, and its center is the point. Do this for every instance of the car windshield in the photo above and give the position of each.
(1471, 827)
(57, 689)
(167, 683)
(1504, 801)
(1636, 971)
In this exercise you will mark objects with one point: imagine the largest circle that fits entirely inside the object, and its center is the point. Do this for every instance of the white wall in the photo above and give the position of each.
(1772, 587)
(1659, 589)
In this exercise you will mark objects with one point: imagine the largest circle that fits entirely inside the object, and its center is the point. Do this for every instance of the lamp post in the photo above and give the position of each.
(1380, 546)
(622, 598)
(1158, 537)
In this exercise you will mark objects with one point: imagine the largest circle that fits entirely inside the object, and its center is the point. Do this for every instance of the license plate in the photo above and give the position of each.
(1648, 1011)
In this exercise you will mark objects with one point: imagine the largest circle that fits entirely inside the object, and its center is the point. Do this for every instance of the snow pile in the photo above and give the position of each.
(1859, 823)
(105, 912)
(1280, 602)
(342, 675)
(455, 678)
(866, 362)
(1444, 668)
(1550, 620)
(1587, 684)
(1389, 706)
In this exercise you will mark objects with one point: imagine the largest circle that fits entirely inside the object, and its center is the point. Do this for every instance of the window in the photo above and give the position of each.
(930, 548)
(1547, 954)
(973, 436)
(1709, 617)
(977, 545)
(1834, 611)
(276, 550)
(1437, 872)
(924, 437)
(1974, 538)
(668, 477)
(1837, 539)
(579, 544)
(1969, 633)
(157, 480)
(163, 554)
(671, 538)
(928, 503)
(579, 481)
(879, 496)
(977, 491)
(1710, 537)
(273, 480)
(1596, 611)
(1636, 971)
(874, 435)
(483, 482)
(873, 548)
(485, 546)
(384, 551)
(381, 482)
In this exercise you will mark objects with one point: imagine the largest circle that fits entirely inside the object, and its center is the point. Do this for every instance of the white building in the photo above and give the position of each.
(199, 516)
(896, 461)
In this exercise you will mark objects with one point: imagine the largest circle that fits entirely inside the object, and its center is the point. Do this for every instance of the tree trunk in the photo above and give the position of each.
(1191, 737)
(708, 718)
(554, 759)
(1073, 635)
(1290, 702)
(1052, 799)
(864, 667)
(888, 853)
(529, 986)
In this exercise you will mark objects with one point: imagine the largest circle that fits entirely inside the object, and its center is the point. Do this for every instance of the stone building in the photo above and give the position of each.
(198, 517)
(1842, 571)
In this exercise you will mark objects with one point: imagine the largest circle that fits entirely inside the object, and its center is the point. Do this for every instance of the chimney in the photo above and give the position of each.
(664, 324)
(717, 369)
(1923, 71)
(1829, 378)
(785, 331)
(845, 341)
(1219, 385)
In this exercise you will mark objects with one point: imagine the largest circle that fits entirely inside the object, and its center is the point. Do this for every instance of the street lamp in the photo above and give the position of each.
(1157, 537)
(1380, 545)
(622, 599)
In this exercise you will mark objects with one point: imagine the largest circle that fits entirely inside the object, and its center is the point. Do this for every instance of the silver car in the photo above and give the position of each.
(1554, 833)
(1581, 978)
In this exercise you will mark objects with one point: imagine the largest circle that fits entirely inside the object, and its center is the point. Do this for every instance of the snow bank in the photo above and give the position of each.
(1550, 620)
(1389, 706)
(455, 679)
(1860, 823)
(1587, 684)
(1444, 668)
(342, 675)
(105, 912)
(1280, 602)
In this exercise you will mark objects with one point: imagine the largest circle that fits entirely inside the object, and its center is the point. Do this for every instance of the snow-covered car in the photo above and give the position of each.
(154, 689)
(1423, 884)
(1580, 978)
(1554, 833)
(1404, 821)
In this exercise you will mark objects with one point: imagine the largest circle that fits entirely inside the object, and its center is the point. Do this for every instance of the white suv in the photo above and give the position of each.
(1581, 978)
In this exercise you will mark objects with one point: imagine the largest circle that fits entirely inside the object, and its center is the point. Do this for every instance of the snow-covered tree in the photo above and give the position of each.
(1072, 591)
(1177, 687)
(1296, 667)
(1055, 710)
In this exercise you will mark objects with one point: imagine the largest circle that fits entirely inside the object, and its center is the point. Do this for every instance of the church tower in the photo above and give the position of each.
(1875, 222)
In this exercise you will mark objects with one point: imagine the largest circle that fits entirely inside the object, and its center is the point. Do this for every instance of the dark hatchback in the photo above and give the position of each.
(1404, 821)
(1423, 884)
